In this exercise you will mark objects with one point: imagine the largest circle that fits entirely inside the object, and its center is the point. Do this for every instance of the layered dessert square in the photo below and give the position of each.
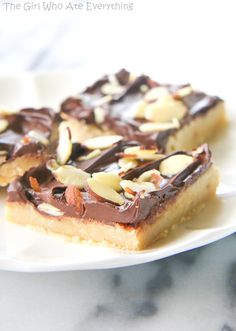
(24, 140)
(170, 117)
(111, 191)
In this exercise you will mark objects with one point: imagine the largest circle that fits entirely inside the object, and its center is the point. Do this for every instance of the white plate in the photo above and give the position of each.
(24, 249)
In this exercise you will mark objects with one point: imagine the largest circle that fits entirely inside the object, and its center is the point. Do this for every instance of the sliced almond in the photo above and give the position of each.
(174, 164)
(109, 179)
(52, 165)
(74, 197)
(105, 192)
(155, 93)
(64, 147)
(37, 136)
(147, 175)
(74, 127)
(183, 92)
(156, 127)
(112, 89)
(145, 187)
(143, 88)
(3, 124)
(126, 164)
(165, 109)
(139, 110)
(90, 156)
(102, 142)
(69, 175)
(99, 114)
(138, 152)
(50, 210)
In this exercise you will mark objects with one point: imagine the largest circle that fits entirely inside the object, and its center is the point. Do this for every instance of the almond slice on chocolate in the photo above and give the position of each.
(183, 92)
(102, 142)
(3, 124)
(112, 89)
(126, 164)
(90, 155)
(155, 93)
(165, 109)
(37, 136)
(174, 164)
(139, 109)
(105, 192)
(137, 152)
(110, 179)
(50, 210)
(145, 187)
(155, 127)
(99, 115)
(69, 175)
(147, 175)
(64, 147)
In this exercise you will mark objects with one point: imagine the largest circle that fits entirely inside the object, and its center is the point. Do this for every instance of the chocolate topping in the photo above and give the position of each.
(119, 109)
(13, 139)
(132, 212)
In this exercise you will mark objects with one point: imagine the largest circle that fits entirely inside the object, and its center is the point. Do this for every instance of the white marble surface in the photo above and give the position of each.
(178, 40)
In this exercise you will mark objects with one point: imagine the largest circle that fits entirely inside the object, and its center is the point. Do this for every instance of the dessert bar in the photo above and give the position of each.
(24, 139)
(111, 191)
(170, 117)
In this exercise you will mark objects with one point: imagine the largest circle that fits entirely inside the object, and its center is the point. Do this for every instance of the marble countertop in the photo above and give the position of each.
(193, 291)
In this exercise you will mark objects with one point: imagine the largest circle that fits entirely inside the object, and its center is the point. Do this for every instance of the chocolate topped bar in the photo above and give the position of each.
(125, 184)
(140, 108)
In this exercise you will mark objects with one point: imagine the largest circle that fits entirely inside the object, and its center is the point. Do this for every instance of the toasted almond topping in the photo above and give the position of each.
(140, 153)
(102, 142)
(74, 127)
(109, 179)
(69, 175)
(64, 147)
(152, 126)
(52, 165)
(105, 192)
(147, 175)
(50, 210)
(137, 187)
(127, 164)
(74, 197)
(155, 93)
(165, 109)
(34, 184)
(90, 156)
(112, 89)
(174, 164)
(3, 124)
(183, 92)
(139, 109)
(143, 88)
(37, 136)
(99, 114)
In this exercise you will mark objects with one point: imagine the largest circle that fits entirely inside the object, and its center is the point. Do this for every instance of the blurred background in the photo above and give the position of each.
(171, 40)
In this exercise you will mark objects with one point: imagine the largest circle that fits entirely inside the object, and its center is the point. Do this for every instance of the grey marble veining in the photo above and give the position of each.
(192, 291)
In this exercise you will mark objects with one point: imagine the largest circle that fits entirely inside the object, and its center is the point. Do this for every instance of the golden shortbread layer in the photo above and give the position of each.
(124, 237)
(199, 130)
